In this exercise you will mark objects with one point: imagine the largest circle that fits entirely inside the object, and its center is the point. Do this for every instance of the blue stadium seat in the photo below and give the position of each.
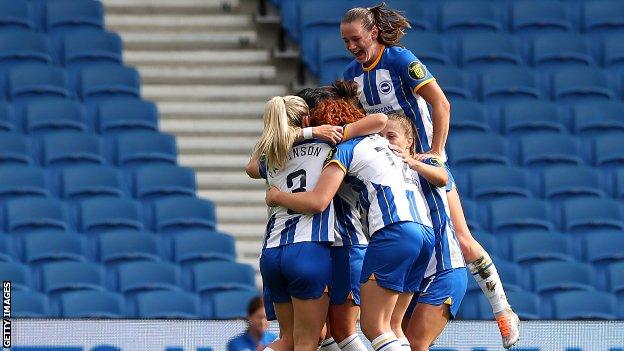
(536, 17)
(58, 277)
(232, 304)
(575, 305)
(565, 182)
(525, 304)
(209, 277)
(547, 150)
(133, 277)
(603, 248)
(333, 58)
(532, 247)
(35, 213)
(468, 117)
(549, 277)
(465, 17)
(127, 115)
(420, 17)
(91, 304)
(86, 47)
(182, 213)
(69, 15)
(289, 11)
(6, 249)
(428, 47)
(618, 184)
(54, 116)
(102, 214)
(505, 84)
(469, 309)
(199, 246)
(498, 181)
(520, 118)
(488, 241)
(22, 181)
(53, 245)
(606, 16)
(516, 214)
(17, 273)
(581, 83)
(141, 148)
(613, 52)
(471, 214)
(125, 246)
(179, 305)
(608, 151)
(15, 150)
(598, 117)
(157, 181)
(559, 50)
(8, 122)
(29, 304)
(16, 15)
(72, 149)
(23, 47)
(102, 82)
(580, 215)
(615, 278)
(453, 81)
(477, 149)
(486, 50)
(30, 82)
(91, 181)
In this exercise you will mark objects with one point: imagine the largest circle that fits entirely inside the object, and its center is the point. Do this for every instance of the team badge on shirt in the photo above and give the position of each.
(330, 156)
(416, 70)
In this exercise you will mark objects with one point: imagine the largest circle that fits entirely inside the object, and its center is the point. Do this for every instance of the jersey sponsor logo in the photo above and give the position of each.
(385, 87)
(330, 155)
(416, 70)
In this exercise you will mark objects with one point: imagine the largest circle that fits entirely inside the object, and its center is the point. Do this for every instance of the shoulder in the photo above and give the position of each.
(350, 144)
(400, 56)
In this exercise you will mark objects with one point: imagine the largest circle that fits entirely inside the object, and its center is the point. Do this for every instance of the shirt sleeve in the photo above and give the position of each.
(262, 168)
(412, 71)
(342, 155)
(434, 161)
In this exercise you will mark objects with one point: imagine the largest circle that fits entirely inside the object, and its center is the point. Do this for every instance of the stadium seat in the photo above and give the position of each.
(537, 17)
(29, 304)
(102, 82)
(486, 50)
(53, 245)
(580, 84)
(72, 149)
(468, 117)
(179, 305)
(16, 15)
(35, 213)
(69, 15)
(581, 215)
(549, 277)
(559, 50)
(6, 249)
(603, 248)
(615, 277)
(30, 82)
(471, 213)
(618, 184)
(54, 116)
(22, 181)
(91, 181)
(488, 241)
(477, 149)
(498, 181)
(91, 304)
(469, 309)
(104, 214)
(525, 304)
(182, 213)
(565, 182)
(516, 214)
(209, 277)
(598, 117)
(608, 151)
(420, 17)
(141, 148)
(547, 150)
(157, 181)
(86, 47)
(333, 58)
(199, 246)
(520, 118)
(613, 52)
(531, 247)
(23, 47)
(453, 81)
(603, 16)
(133, 277)
(8, 122)
(17, 273)
(15, 150)
(463, 17)
(127, 115)
(62, 276)
(505, 84)
(575, 305)
(428, 47)
(232, 304)
(125, 246)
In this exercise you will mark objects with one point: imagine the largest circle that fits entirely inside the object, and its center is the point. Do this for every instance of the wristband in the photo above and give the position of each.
(307, 133)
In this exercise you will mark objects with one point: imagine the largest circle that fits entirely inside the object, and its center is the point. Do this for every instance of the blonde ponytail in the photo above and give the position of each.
(282, 120)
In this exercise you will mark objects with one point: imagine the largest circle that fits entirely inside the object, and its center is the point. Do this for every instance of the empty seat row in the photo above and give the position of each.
(53, 16)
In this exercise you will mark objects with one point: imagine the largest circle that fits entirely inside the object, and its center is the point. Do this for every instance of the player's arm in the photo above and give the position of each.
(441, 115)
(313, 201)
(326, 132)
(428, 167)
(371, 124)
(253, 167)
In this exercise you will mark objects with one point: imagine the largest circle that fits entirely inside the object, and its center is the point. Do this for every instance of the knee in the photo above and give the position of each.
(396, 325)
(371, 329)
(418, 343)
(341, 331)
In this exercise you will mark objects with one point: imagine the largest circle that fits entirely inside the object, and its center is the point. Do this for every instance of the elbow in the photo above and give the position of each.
(443, 180)
(444, 106)
(382, 120)
(319, 204)
(252, 171)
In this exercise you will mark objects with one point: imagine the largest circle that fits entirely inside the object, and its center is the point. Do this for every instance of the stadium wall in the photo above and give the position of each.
(197, 335)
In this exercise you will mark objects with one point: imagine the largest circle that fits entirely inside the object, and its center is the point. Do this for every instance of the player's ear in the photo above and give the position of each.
(374, 33)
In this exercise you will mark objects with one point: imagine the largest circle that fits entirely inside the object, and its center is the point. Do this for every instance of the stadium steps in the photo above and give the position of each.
(210, 75)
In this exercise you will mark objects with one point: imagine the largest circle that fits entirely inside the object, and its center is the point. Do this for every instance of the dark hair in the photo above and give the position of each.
(255, 304)
(312, 96)
(390, 23)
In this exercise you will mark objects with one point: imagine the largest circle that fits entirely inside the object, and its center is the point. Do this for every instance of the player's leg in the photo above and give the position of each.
(285, 320)
(398, 315)
(426, 324)
(309, 318)
(377, 306)
(277, 301)
(326, 340)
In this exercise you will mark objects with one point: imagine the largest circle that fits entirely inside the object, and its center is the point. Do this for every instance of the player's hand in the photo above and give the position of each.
(269, 198)
(407, 158)
(422, 157)
(326, 132)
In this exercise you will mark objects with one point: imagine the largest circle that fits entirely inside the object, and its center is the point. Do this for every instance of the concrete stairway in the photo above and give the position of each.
(202, 62)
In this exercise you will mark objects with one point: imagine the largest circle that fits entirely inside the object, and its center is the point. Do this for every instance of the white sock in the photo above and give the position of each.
(352, 343)
(484, 272)
(268, 349)
(386, 342)
(405, 345)
(329, 344)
